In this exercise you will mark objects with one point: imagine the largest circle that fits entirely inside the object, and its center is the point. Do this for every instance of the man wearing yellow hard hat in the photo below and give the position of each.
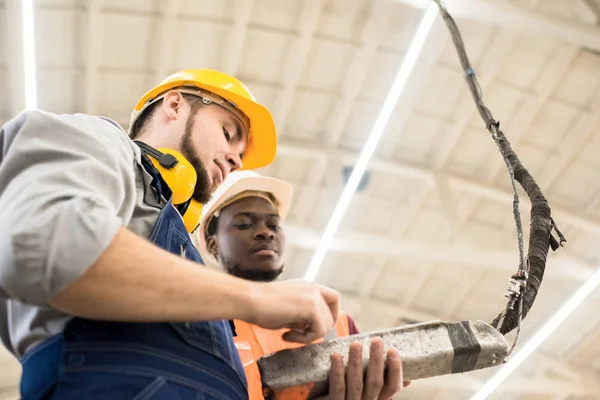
(101, 293)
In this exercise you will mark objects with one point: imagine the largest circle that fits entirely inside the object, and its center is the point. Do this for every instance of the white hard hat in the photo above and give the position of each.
(236, 183)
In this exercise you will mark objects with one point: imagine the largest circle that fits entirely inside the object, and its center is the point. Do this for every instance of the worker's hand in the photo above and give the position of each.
(380, 383)
(309, 310)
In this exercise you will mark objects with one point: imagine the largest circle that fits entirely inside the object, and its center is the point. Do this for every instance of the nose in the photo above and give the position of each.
(234, 161)
(263, 232)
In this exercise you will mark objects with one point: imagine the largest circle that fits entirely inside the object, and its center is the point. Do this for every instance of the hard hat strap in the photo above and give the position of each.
(207, 98)
(211, 98)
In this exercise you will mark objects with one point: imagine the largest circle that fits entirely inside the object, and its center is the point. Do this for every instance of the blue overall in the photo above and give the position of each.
(114, 360)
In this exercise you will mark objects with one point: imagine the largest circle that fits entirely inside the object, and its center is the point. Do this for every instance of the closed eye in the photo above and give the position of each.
(227, 135)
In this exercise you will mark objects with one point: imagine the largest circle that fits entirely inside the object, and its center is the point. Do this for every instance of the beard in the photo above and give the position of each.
(203, 190)
(251, 274)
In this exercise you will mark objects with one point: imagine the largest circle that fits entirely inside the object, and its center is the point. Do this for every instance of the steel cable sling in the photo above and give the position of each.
(437, 348)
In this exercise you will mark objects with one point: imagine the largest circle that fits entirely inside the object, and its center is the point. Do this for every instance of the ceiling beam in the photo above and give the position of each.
(11, 392)
(376, 270)
(399, 168)
(415, 202)
(14, 46)
(363, 306)
(319, 169)
(167, 35)
(574, 144)
(420, 278)
(593, 6)
(10, 370)
(515, 386)
(560, 215)
(509, 16)
(591, 379)
(298, 56)
(243, 12)
(591, 335)
(448, 204)
(373, 32)
(417, 81)
(490, 64)
(464, 292)
(94, 34)
(354, 242)
(520, 124)
(542, 386)
(522, 386)
(486, 71)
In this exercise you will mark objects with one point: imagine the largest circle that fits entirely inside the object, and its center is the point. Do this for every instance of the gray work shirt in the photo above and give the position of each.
(67, 184)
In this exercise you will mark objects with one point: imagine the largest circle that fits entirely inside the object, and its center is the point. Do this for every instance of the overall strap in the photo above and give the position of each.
(158, 183)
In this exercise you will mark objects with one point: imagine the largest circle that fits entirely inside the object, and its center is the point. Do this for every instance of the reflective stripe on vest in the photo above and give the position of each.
(253, 342)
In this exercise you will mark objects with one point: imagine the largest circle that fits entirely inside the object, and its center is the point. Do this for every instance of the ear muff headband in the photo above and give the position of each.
(192, 216)
(177, 172)
(181, 177)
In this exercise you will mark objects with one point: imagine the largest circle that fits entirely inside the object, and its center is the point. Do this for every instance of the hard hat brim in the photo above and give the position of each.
(262, 146)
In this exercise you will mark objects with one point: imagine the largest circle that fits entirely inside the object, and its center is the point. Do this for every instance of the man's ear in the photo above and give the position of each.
(172, 103)
(211, 245)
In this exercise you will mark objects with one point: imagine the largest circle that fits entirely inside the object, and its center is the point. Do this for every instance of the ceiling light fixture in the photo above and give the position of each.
(382, 119)
(539, 337)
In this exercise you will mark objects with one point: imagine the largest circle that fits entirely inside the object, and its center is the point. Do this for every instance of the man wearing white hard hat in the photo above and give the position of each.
(241, 232)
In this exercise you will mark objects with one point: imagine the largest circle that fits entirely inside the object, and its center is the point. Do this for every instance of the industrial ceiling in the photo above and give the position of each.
(431, 235)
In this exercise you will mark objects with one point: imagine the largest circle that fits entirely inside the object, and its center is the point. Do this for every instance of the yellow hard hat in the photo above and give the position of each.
(262, 143)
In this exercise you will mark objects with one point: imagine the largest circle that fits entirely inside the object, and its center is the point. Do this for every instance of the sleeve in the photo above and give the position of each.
(67, 184)
(352, 329)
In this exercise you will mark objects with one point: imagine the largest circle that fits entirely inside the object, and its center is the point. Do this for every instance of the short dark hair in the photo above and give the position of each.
(146, 117)
(212, 226)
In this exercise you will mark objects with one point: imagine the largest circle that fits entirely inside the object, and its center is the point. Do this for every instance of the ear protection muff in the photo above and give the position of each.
(191, 217)
(176, 171)
(180, 176)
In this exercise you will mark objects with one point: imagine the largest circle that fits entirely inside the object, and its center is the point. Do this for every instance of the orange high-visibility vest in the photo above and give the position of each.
(253, 342)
